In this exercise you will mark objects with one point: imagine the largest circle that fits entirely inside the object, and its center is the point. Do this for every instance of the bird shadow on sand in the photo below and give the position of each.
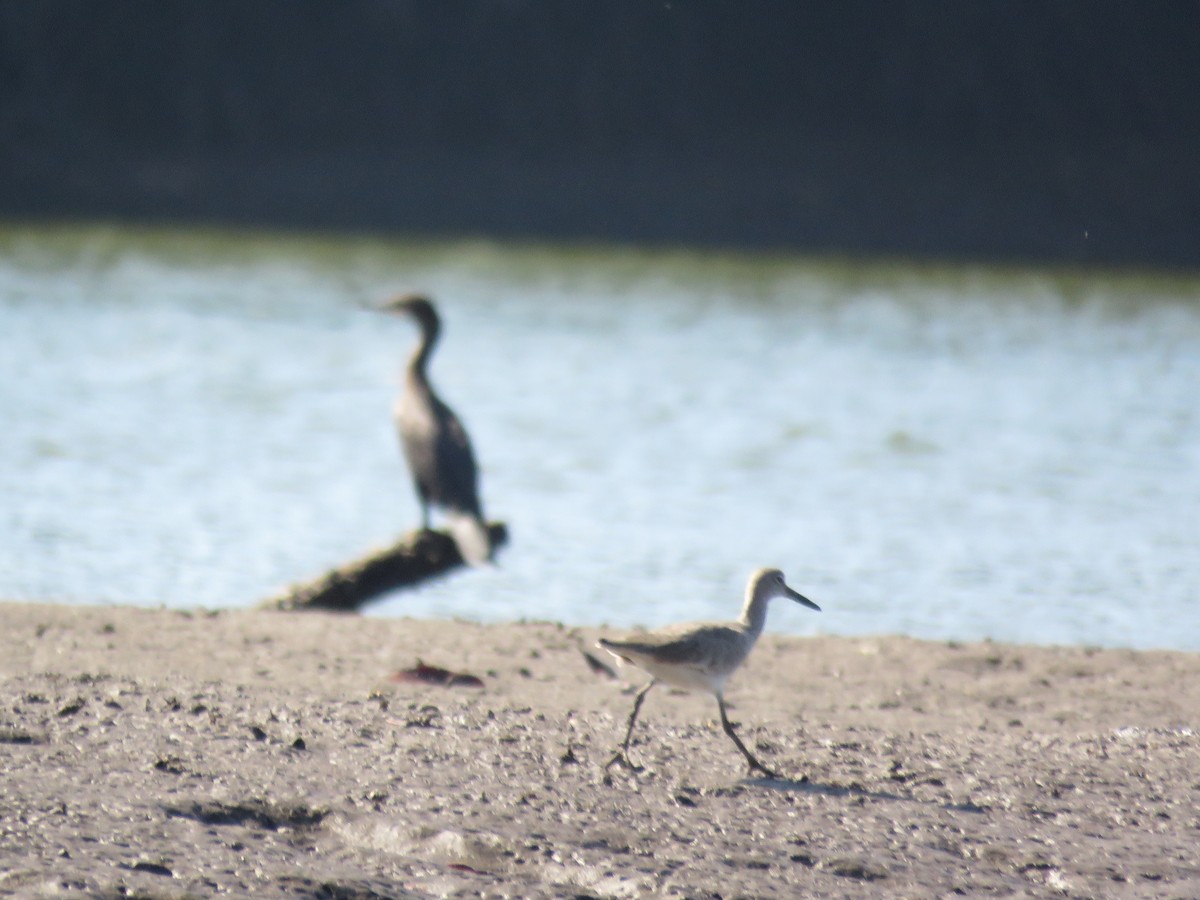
(817, 788)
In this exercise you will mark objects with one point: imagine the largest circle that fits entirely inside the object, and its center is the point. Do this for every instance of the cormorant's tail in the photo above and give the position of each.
(471, 535)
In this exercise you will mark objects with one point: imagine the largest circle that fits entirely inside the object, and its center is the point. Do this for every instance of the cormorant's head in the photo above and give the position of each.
(417, 306)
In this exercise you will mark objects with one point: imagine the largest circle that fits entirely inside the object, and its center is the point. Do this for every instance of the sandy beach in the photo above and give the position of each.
(158, 753)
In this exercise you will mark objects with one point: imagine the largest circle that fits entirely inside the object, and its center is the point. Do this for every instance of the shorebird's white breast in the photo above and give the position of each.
(683, 675)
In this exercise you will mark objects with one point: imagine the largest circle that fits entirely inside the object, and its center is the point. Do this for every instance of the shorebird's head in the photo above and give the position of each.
(417, 306)
(768, 583)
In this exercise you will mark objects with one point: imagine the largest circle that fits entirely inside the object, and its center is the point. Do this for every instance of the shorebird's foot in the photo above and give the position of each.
(770, 773)
(760, 769)
(622, 758)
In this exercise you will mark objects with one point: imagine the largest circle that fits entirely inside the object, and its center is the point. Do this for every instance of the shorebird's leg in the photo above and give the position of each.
(622, 755)
(750, 758)
(637, 705)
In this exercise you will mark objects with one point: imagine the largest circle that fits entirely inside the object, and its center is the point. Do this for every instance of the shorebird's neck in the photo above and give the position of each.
(754, 612)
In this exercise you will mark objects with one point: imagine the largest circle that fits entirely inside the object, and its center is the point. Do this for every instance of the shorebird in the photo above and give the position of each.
(435, 443)
(702, 656)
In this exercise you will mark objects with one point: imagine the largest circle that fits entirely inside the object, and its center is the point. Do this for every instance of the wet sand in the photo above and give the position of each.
(170, 754)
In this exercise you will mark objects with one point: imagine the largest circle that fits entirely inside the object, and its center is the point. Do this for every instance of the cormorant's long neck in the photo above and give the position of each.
(418, 363)
(754, 612)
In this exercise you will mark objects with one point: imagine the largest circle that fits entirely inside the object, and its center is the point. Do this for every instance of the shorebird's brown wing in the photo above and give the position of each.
(700, 647)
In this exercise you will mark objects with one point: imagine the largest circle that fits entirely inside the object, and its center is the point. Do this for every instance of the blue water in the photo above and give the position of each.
(196, 419)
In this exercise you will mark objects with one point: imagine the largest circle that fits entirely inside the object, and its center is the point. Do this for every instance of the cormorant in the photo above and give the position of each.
(435, 443)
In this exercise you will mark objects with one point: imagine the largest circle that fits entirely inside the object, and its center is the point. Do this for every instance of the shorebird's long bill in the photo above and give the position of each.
(800, 598)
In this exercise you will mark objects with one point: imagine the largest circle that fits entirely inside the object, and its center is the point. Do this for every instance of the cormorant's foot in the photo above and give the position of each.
(620, 757)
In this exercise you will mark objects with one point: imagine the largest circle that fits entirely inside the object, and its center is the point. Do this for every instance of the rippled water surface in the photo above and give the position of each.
(196, 419)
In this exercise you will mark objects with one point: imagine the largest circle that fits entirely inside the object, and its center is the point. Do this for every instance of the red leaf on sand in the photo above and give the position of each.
(423, 674)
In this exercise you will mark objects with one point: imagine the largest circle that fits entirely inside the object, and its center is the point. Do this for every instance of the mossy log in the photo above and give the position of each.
(417, 557)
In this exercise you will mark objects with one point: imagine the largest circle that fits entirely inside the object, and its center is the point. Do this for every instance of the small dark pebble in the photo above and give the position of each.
(14, 736)
(73, 707)
(153, 869)
(171, 764)
(857, 868)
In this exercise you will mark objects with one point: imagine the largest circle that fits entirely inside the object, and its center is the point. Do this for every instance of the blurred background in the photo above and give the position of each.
(900, 297)
(1061, 132)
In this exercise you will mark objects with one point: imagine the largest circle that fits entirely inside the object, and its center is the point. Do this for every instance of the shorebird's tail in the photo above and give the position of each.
(471, 535)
